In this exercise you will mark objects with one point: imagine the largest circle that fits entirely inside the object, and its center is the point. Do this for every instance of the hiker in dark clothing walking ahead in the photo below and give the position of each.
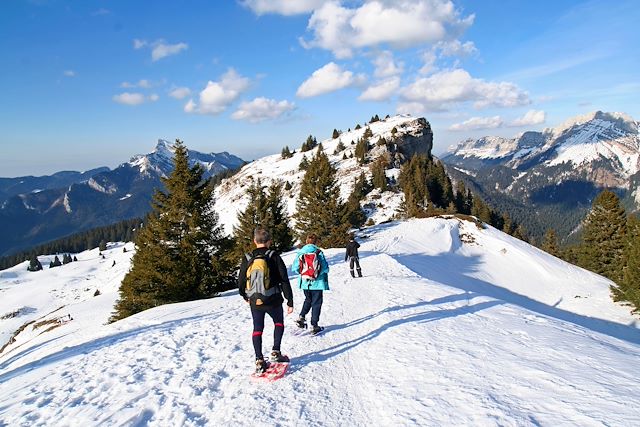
(352, 256)
(262, 280)
(313, 268)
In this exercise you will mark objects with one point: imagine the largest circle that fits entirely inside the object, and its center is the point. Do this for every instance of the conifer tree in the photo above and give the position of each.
(278, 219)
(629, 289)
(180, 249)
(55, 263)
(603, 237)
(103, 246)
(335, 134)
(362, 148)
(34, 264)
(286, 153)
(550, 243)
(357, 126)
(521, 233)
(254, 215)
(304, 163)
(462, 198)
(309, 144)
(394, 131)
(74, 258)
(340, 147)
(507, 224)
(379, 177)
(319, 209)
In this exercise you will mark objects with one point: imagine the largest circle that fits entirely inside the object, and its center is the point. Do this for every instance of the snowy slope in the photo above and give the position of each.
(230, 197)
(450, 325)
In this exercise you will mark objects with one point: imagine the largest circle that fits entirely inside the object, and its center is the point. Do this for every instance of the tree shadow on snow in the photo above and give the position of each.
(454, 270)
(422, 317)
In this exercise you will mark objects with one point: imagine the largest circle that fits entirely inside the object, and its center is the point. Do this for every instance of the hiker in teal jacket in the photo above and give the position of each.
(312, 288)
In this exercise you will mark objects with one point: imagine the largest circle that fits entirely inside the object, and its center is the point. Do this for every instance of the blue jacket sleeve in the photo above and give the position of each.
(325, 264)
(295, 266)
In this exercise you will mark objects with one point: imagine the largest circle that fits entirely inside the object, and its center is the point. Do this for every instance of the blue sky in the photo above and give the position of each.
(91, 83)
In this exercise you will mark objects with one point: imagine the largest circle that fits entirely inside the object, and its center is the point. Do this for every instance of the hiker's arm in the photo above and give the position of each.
(284, 282)
(242, 278)
(324, 263)
(295, 267)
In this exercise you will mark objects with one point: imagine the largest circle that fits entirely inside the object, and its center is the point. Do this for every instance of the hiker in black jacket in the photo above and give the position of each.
(352, 255)
(268, 301)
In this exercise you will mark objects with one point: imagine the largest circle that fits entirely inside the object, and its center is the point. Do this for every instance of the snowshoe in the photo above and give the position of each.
(276, 356)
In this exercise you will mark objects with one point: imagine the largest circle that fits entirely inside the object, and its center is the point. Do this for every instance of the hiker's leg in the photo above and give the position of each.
(351, 260)
(306, 306)
(277, 314)
(258, 327)
(316, 306)
(357, 267)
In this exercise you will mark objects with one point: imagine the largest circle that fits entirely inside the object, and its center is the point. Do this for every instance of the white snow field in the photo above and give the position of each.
(450, 325)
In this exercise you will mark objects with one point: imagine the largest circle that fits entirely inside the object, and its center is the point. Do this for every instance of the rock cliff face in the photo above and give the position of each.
(417, 140)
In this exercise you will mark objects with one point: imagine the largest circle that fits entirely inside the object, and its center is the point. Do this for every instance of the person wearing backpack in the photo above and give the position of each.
(352, 255)
(313, 268)
(262, 280)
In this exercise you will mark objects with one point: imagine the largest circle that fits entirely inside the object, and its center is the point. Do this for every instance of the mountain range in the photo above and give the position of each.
(549, 178)
(34, 210)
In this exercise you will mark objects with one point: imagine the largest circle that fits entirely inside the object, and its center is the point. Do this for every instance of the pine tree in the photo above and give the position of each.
(180, 249)
(309, 144)
(394, 131)
(507, 224)
(550, 243)
(254, 215)
(521, 233)
(304, 163)
(629, 289)
(335, 134)
(74, 258)
(379, 177)
(340, 147)
(357, 126)
(603, 237)
(55, 263)
(286, 153)
(319, 209)
(278, 219)
(34, 264)
(103, 246)
(362, 148)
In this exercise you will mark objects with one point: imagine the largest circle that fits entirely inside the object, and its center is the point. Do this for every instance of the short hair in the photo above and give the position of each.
(261, 235)
(312, 238)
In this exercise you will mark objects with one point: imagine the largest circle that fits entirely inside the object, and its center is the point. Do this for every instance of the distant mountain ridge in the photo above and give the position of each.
(565, 166)
(91, 200)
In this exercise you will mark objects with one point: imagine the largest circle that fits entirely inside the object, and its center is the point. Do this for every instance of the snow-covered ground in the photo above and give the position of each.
(450, 325)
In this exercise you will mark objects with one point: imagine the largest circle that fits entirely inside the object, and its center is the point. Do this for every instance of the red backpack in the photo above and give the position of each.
(309, 265)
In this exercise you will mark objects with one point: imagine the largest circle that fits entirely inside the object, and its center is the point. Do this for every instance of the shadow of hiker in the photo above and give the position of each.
(423, 317)
(452, 269)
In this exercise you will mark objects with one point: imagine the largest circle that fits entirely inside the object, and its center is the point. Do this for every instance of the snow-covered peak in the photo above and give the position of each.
(621, 121)
(411, 134)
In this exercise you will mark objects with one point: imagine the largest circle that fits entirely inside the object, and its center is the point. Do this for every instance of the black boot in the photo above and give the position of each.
(261, 366)
(301, 323)
(276, 356)
(359, 273)
(352, 275)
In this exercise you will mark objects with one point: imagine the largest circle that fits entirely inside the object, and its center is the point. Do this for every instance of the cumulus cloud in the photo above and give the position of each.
(446, 88)
(386, 66)
(478, 123)
(457, 48)
(154, 97)
(69, 73)
(327, 79)
(261, 109)
(128, 98)
(282, 7)
(531, 117)
(341, 29)
(159, 48)
(381, 91)
(180, 92)
(217, 96)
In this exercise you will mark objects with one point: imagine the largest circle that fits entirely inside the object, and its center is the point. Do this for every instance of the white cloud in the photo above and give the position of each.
(443, 89)
(401, 24)
(327, 79)
(261, 109)
(429, 58)
(457, 48)
(180, 92)
(134, 98)
(217, 96)
(139, 44)
(531, 117)
(381, 91)
(282, 7)
(160, 49)
(386, 66)
(69, 73)
(477, 123)
(127, 98)
(413, 108)
(143, 83)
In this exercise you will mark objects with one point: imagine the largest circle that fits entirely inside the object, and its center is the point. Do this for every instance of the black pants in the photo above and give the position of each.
(277, 315)
(313, 302)
(355, 260)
